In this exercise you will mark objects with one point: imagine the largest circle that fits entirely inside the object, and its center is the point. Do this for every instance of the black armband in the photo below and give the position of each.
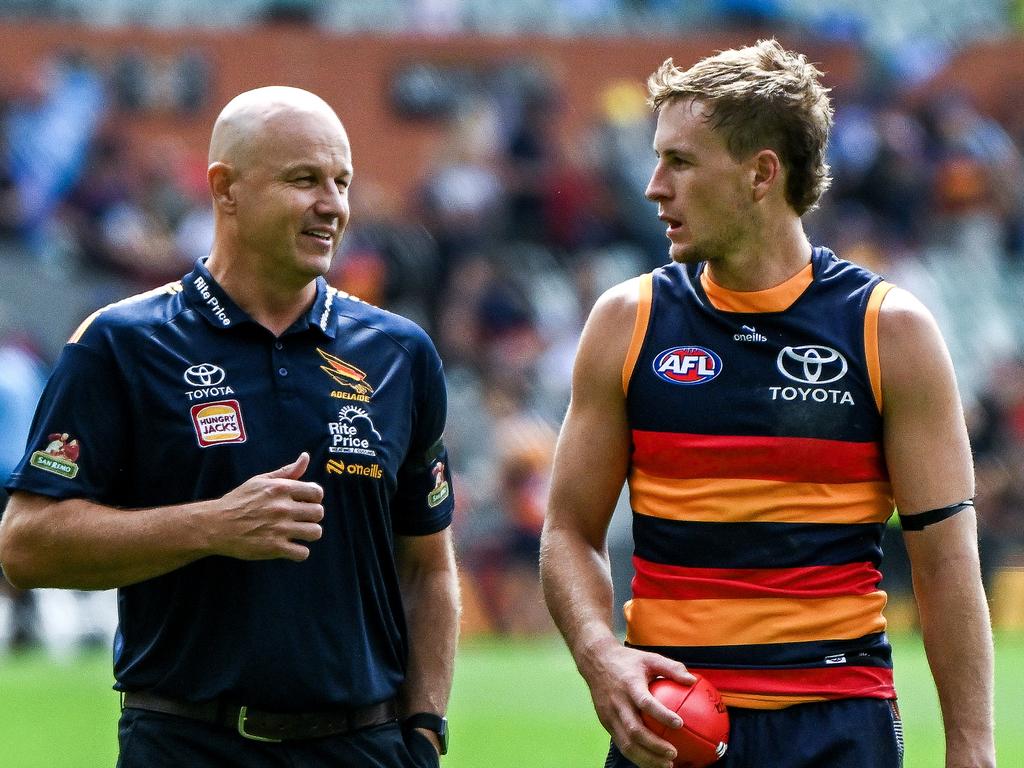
(433, 453)
(920, 520)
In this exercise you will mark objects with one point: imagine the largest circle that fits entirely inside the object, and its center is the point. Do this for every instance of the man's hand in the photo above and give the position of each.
(79, 544)
(268, 514)
(619, 680)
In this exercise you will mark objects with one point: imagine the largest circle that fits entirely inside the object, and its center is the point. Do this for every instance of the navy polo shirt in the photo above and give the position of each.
(176, 396)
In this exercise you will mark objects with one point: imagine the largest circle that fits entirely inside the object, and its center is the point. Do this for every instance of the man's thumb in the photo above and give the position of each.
(292, 471)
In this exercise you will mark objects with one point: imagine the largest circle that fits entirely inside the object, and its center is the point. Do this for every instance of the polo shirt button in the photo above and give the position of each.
(283, 371)
(278, 345)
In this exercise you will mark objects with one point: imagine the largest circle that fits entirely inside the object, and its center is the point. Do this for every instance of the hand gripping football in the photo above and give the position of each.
(704, 736)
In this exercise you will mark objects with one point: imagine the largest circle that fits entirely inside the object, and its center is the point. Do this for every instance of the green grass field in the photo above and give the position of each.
(515, 703)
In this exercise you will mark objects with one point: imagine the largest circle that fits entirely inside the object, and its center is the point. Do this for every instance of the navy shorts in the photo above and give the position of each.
(847, 733)
(155, 740)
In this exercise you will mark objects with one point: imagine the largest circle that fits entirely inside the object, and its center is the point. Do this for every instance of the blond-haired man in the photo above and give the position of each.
(769, 405)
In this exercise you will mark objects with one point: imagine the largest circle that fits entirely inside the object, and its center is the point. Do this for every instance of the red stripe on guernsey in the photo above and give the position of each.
(792, 459)
(672, 582)
(836, 682)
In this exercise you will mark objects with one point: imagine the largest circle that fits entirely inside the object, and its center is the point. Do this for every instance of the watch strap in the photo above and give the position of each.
(431, 722)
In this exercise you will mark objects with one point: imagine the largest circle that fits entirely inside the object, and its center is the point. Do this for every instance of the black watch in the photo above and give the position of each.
(431, 722)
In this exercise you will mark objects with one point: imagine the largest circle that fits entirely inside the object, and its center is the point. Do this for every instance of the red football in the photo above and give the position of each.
(704, 736)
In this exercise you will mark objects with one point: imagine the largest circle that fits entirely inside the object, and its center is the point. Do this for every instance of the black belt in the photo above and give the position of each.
(267, 726)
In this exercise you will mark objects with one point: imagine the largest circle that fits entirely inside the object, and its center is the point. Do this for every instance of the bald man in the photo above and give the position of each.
(258, 468)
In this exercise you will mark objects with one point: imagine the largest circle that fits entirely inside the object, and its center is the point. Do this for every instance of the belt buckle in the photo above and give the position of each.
(242, 716)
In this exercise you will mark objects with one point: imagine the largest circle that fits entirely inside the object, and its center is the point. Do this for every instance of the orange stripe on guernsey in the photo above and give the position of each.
(776, 299)
(790, 459)
(871, 340)
(645, 285)
(753, 621)
(658, 581)
(169, 288)
(713, 500)
(777, 688)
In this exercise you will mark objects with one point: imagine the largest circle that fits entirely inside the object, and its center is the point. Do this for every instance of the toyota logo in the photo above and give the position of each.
(812, 364)
(204, 375)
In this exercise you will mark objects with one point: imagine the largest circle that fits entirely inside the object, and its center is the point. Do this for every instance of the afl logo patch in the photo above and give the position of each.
(687, 365)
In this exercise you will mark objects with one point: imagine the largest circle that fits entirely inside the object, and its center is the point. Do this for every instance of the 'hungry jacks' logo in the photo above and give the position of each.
(345, 374)
(218, 423)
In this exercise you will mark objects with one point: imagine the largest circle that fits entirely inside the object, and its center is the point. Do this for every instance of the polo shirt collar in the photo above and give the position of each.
(220, 310)
(321, 314)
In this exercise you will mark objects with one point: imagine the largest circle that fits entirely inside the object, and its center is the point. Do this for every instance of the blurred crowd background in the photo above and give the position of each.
(499, 190)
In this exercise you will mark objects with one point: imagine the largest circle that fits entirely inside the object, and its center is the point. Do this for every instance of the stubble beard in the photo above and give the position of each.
(707, 250)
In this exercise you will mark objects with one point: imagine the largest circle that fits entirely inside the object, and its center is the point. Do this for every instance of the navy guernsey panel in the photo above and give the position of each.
(176, 396)
(758, 483)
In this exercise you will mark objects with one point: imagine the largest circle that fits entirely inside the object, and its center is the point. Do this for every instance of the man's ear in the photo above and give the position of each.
(220, 177)
(767, 169)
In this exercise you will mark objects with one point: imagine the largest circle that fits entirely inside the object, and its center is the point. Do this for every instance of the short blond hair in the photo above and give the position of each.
(761, 97)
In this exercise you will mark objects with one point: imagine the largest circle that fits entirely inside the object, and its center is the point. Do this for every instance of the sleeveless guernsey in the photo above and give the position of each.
(758, 483)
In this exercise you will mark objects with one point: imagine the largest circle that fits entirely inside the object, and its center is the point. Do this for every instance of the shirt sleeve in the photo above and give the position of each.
(76, 445)
(424, 501)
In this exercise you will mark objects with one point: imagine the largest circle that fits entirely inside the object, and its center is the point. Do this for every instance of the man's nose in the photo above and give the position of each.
(331, 200)
(656, 189)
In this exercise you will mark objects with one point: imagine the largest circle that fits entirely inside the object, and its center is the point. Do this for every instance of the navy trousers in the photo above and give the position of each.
(155, 740)
(847, 733)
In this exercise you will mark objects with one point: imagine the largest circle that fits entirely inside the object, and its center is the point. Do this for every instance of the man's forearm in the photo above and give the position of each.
(578, 591)
(431, 599)
(78, 544)
(958, 642)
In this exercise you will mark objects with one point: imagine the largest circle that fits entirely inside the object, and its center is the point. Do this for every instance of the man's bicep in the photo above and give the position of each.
(949, 544)
(433, 551)
(589, 471)
(926, 446)
(592, 456)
